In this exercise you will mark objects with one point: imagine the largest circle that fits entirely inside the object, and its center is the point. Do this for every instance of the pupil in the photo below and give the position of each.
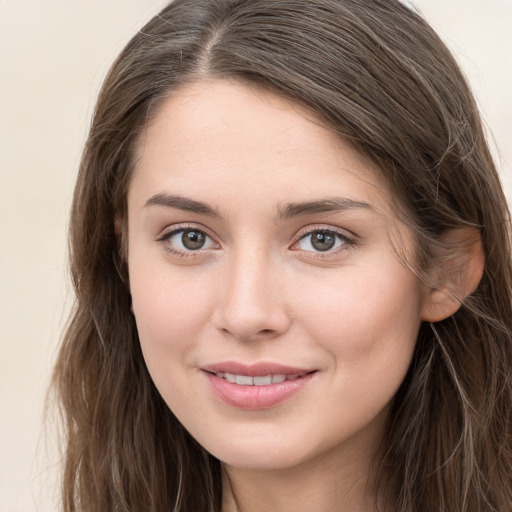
(193, 240)
(323, 241)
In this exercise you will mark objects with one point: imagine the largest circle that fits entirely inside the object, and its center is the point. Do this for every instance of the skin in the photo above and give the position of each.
(258, 290)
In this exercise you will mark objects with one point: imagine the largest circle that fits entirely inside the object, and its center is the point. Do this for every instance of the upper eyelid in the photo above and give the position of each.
(325, 227)
(176, 228)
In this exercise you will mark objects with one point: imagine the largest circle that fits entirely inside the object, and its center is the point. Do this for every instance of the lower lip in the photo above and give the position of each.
(256, 397)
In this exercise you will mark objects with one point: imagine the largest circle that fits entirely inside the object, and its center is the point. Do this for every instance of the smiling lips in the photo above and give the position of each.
(247, 380)
(254, 387)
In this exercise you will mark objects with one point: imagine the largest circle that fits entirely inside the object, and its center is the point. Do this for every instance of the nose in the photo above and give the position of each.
(251, 303)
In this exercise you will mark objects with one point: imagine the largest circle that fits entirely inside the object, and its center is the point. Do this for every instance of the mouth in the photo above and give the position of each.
(257, 380)
(254, 387)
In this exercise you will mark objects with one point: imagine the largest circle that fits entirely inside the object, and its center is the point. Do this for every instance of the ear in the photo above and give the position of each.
(121, 259)
(118, 225)
(121, 235)
(457, 273)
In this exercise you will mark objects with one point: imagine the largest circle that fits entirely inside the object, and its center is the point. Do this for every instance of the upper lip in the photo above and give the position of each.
(255, 370)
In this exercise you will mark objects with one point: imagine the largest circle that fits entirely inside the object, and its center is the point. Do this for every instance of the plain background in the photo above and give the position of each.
(54, 55)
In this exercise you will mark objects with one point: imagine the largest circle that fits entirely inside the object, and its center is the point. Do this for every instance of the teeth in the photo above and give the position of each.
(230, 377)
(244, 380)
(263, 381)
(247, 380)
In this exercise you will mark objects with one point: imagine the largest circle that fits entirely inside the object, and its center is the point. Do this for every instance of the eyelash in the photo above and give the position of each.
(347, 240)
(166, 236)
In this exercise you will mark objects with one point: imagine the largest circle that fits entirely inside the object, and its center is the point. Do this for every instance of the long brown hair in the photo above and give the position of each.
(377, 74)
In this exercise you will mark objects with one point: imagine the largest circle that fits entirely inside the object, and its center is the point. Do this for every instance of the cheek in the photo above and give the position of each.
(171, 311)
(367, 320)
(368, 325)
(170, 308)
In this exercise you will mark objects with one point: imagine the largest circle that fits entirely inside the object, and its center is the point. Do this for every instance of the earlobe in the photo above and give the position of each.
(457, 273)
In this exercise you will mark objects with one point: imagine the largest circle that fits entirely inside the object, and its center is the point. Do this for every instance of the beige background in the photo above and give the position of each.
(54, 54)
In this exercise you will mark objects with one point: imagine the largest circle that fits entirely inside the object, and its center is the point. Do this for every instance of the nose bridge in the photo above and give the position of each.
(251, 302)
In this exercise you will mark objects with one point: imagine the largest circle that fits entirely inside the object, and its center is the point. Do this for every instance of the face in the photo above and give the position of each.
(274, 315)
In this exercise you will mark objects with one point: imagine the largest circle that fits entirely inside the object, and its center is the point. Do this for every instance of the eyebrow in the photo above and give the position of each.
(330, 204)
(284, 212)
(183, 203)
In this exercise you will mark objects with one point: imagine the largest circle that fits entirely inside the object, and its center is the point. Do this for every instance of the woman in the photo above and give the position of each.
(291, 255)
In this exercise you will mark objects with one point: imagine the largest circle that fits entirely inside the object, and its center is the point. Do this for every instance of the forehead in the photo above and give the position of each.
(232, 141)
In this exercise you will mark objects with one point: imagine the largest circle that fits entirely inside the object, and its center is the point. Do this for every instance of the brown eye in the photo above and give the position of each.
(193, 239)
(322, 241)
(187, 240)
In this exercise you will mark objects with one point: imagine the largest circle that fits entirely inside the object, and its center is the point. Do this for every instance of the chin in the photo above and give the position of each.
(258, 456)
(262, 461)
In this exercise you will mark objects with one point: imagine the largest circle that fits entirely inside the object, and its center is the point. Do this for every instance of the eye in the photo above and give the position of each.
(186, 240)
(322, 240)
